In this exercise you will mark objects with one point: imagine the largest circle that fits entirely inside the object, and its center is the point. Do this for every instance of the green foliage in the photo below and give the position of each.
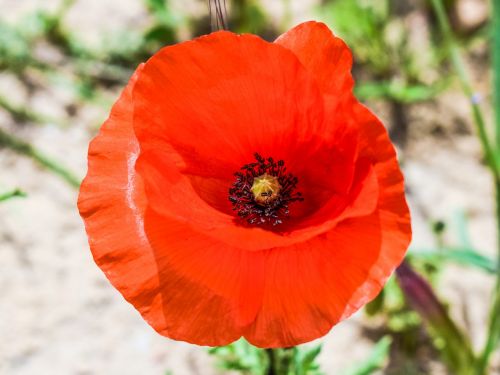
(247, 16)
(398, 91)
(242, 357)
(163, 13)
(399, 318)
(163, 29)
(382, 46)
(377, 359)
(496, 69)
(462, 256)
(362, 24)
(304, 360)
(15, 49)
(404, 322)
(493, 339)
(16, 193)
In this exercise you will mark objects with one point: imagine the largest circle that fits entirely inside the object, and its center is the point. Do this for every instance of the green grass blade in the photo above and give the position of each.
(462, 256)
(496, 67)
(12, 194)
(375, 361)
(493, 339)
(465, 81)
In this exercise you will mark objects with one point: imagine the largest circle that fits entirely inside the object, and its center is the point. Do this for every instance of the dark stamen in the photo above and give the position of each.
(263, 191)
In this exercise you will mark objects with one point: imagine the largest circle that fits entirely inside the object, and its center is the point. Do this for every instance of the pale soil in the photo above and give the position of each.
(59, 315)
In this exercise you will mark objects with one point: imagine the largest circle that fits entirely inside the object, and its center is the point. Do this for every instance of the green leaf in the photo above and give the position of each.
(463, 256)
(398, 91)
(496, 68)
(376, 305)
(493, 339)
(12, 194)
(471, 258)
(162, 12)
(248, 16)
(240, 356)
(307, 360)
(375, 361)
(361, 24)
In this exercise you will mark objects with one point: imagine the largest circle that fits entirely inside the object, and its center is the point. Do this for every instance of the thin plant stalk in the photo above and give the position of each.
(496, 69)
(465, 82)
(280, 361)
(271, 355)
(24, 148)
(490, 152)
(12, 194)
(493, 338)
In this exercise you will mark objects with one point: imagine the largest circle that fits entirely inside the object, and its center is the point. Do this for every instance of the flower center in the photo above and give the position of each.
(263, 191)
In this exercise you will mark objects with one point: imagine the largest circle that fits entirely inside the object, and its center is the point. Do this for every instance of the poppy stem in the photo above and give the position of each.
(271, 369)
(280, 361)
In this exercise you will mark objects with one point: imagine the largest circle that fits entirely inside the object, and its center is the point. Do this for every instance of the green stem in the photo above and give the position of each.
(493, 338)
(271, 369)
(459, 65)
(280, 361)
(12, 194)
(491, 154)
(24, 148)
(496, 68)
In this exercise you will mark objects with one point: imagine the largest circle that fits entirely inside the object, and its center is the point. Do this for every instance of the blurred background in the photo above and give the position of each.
(64, 62)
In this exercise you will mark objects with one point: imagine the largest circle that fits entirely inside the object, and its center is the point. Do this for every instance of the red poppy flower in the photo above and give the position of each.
(239, 189)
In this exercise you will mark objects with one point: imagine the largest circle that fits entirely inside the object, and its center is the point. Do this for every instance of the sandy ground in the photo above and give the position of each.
(58, 313)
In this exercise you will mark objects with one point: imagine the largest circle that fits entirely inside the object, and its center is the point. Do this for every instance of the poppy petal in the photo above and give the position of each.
(393, 211)
(314, 285)
(210, 292)
(171, 195)
(220, 98)
(112, 202)
(307, 286)
(324, 55)
(160, 170)
(279, 112)
(280, 297)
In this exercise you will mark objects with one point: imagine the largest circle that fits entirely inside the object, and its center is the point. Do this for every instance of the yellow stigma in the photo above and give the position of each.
(265, 189)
